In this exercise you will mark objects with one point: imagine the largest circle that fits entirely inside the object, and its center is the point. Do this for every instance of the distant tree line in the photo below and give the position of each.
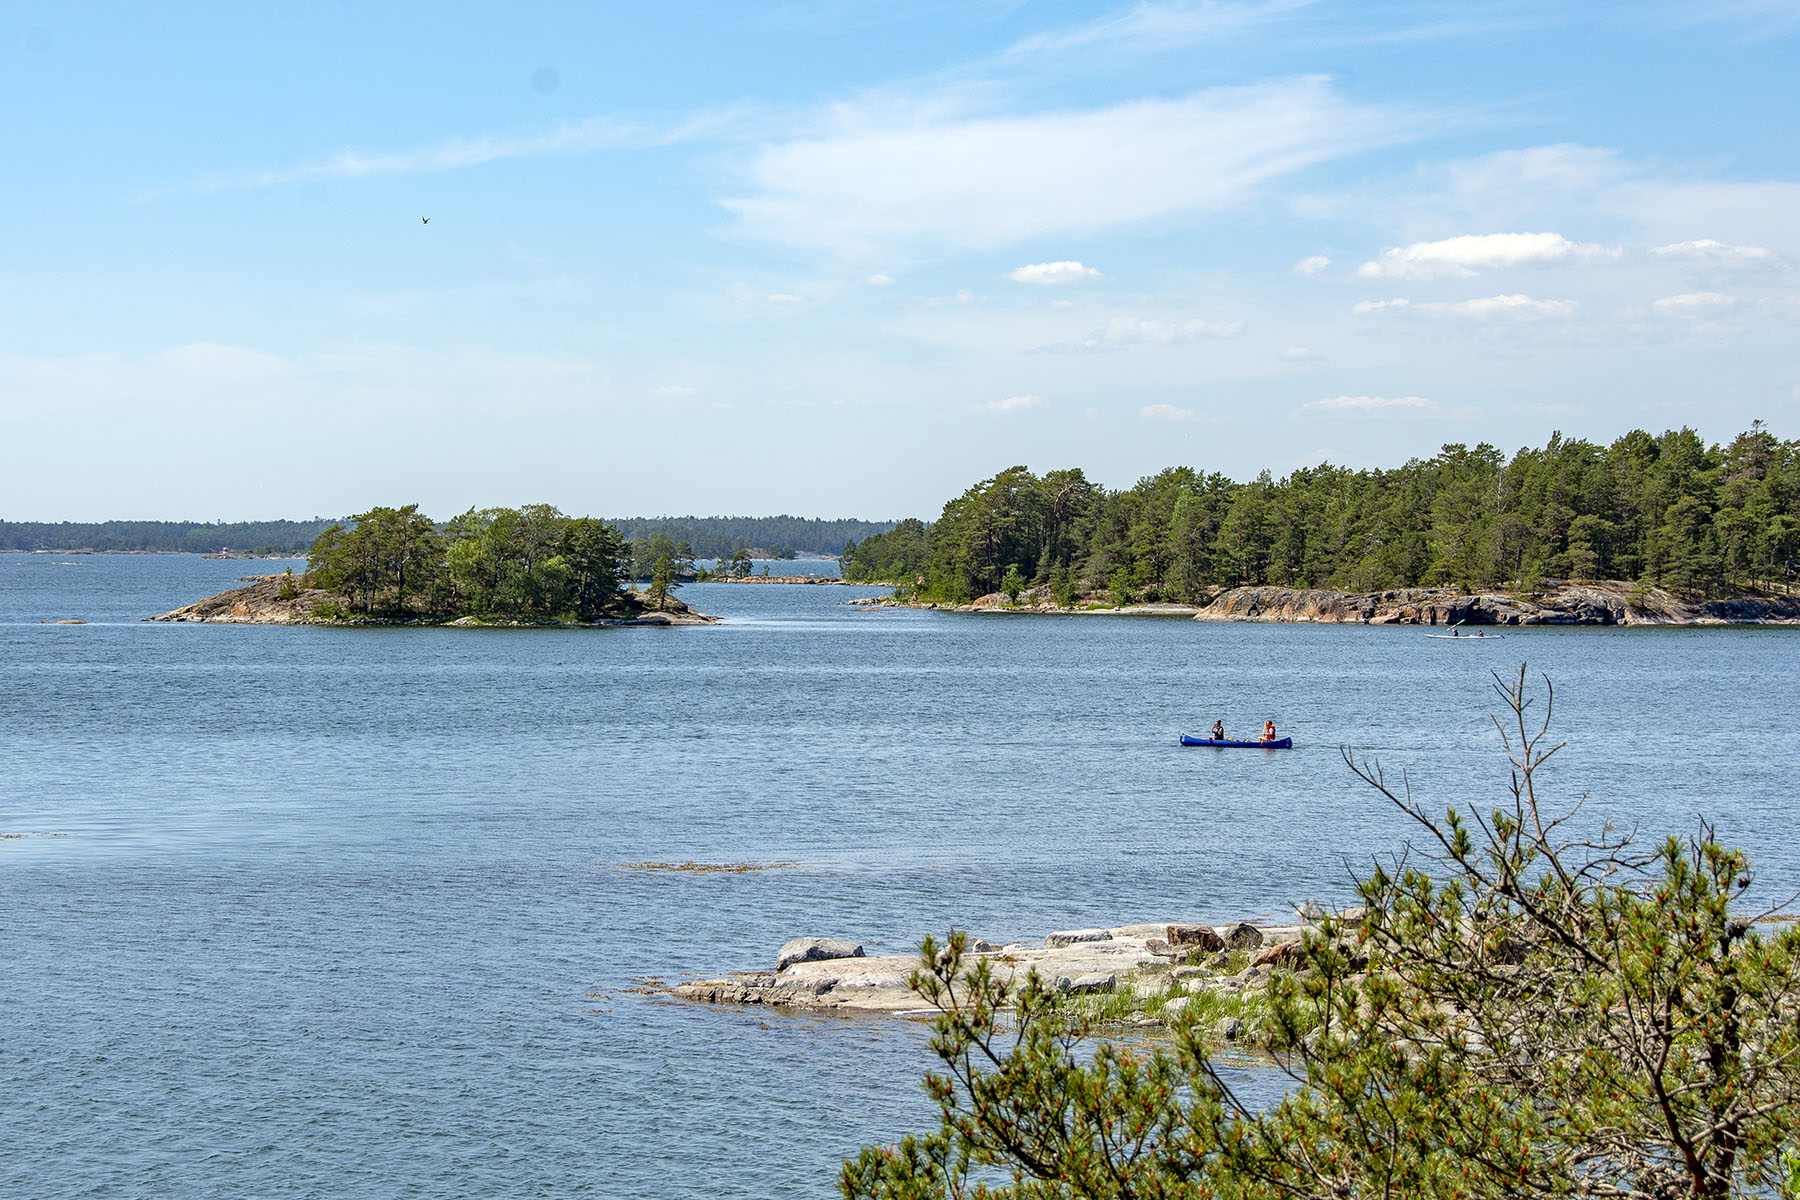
(1668, 510)
(186, 537)
(721, 537)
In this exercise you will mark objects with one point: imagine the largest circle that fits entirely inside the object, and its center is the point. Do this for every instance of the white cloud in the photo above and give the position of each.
(960, 296)
(1371, 404)
(1062, 303)
(1129, 331)
(1167, 412)
(1690, 305)
(783, 298)
(1011, 404)
(889, 172)
(1787, 305)
(1513, 307)
(879, 280)
(1300, 354)
(1464, 256)
(675, 389)
(1312, 267)
(1052, 273)
(1714, 253)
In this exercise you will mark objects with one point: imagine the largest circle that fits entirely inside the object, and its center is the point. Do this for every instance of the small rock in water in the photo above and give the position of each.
(1195, 937)
(1243, 936)
(815, 950)
(1230, 1028)
(1068, 937)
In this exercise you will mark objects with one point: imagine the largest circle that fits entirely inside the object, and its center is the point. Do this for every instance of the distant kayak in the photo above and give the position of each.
(1286, 743)
(1469, 637)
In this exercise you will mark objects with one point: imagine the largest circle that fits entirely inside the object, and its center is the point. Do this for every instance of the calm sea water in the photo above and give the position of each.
(321, 912)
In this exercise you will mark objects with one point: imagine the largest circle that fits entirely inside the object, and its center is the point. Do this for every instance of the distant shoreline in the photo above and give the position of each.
(1556, 603)
(283, 600)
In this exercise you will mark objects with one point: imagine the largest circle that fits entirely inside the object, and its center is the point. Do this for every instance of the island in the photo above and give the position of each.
(489, 567)
(1645, 529)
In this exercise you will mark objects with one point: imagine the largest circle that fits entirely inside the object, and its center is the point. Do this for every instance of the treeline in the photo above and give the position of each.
(721, 537)
(530, 563)
(185, 537)
(1668, 510)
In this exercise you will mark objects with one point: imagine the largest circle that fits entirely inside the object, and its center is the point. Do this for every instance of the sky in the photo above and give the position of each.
(845, 259)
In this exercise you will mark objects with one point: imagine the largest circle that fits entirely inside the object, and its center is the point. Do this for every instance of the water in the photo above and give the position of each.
(321, 912)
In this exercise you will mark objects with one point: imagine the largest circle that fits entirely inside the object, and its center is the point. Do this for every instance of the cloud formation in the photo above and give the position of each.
(1690, 305)
(1460, 257)
(1011, 404)
(1714, 253)
(1313, 267)
(911, 172)
(1051, 273)
(1515, 306)
(879, 280)
(1167, 412)
(1128, 331)
(1371, 404)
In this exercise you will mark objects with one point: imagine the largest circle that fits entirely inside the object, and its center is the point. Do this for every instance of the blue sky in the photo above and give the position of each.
(843, 259)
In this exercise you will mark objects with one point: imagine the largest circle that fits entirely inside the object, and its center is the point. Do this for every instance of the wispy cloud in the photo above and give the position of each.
(1714, 253)
(1052, 273)
(1011, 404)
(674, 389)
(582, 137)
(1128, 331)
(1167, 412)
(1514, 307)
(783, 298)
(1466, 255)
(1312, 267)
(890, 174)
(1371, 404)
(879, 280)
(1691, 305)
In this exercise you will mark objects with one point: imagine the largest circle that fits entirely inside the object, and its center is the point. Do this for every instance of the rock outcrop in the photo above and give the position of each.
(802, 950)
(1559, 603)
(1081, 960)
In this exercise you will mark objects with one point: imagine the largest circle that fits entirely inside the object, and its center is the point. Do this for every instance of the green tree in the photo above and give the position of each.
(1524, 1013)
(1013, 583)
(593, 554)
(664, 579)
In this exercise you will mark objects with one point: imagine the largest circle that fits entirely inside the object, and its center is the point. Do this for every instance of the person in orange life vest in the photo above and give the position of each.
(1268, 731)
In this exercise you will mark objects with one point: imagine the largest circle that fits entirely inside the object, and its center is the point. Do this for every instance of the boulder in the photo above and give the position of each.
(1194, 937)
(1093, 981)
(1161, 948)
(1243, 936)
(1068, 937)
(1286, 954)
(815, 950)
(1229, 1029)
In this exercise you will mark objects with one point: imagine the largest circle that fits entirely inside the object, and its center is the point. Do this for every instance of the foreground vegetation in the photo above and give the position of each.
(1521, 1012)
(1668, 510)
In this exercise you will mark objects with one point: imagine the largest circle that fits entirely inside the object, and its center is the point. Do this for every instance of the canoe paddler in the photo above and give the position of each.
(1268, 731)
(1218, 731)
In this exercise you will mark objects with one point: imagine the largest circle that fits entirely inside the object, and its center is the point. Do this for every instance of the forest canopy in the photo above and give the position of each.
(1667, 510)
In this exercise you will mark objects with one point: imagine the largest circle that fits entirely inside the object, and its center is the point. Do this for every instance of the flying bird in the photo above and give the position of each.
(424, 220)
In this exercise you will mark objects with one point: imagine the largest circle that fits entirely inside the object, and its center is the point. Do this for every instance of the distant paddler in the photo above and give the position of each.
(1268, 734)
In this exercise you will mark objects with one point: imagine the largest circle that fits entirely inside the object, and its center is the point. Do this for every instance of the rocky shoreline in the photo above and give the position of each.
(1144, 974)
(282, 600)
(1557, 602)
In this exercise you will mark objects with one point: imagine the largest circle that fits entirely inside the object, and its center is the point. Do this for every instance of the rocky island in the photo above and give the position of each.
(1136, 975)
(290, 600)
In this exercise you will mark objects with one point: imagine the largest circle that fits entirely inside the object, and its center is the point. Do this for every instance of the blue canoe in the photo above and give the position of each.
(1286, 743)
